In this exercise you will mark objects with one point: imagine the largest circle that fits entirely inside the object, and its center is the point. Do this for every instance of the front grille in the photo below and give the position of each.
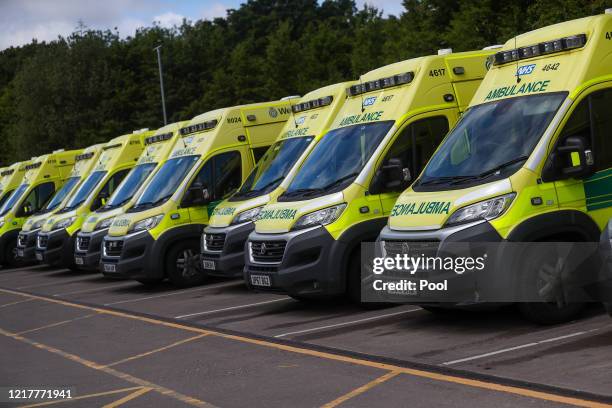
(42, 241)
(113, 248)
(411, 248)
(22, 240)
(268, 251)
(214, 242)
(82, 243)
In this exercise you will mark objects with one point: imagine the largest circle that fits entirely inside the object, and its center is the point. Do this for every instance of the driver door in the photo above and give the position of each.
(592, 118)
(414, 146)
(220, 176)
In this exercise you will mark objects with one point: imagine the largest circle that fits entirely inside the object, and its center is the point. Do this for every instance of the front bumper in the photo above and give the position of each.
(311, 263)
(55, 248)
(468, 240)
(88, 249)
(26, 245)
(131, 256)
(227, 255)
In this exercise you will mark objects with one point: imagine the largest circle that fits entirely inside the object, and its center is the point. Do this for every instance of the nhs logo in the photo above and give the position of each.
(300, 120)
(525, 69)
(369, 101)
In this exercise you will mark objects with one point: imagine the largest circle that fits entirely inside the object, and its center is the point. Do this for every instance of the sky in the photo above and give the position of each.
(23, 20)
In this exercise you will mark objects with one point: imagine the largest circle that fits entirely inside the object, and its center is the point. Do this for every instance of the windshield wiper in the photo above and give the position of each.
(494, 170)
(452, 180)
(111, 206)
(443, 180)
(340, 181)
(149, 204)
(251, 193)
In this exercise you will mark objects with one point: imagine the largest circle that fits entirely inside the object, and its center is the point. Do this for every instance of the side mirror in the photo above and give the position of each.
(572, 159)
(26, 210)
(197, 194)
(392, 176)
(100, 200)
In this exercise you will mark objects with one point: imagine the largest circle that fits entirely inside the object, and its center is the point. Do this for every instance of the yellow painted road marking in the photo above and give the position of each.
(48, 326)
(80, 397)
(127, 398)
(525, 392)
(148, 353)
(111, 371)
(361, 390)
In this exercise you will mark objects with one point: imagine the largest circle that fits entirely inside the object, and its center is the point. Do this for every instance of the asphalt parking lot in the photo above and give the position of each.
(118, 343)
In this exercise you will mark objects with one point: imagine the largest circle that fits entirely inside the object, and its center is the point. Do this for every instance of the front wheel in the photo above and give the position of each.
(183, 265)
(11, 260)
(542, 278)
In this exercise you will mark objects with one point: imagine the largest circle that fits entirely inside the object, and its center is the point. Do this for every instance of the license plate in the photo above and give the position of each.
(206, 264)
(79, 261)
(110, 268)
(20, 253)
(260, 280)
(39, 256)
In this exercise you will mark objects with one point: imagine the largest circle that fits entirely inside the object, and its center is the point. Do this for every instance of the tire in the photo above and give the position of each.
(150, 283)
(183, 265)
(608, 307)
(538, 273)
(10, 256)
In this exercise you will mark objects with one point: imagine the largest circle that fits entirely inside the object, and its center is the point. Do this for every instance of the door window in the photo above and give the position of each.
(38, 197)
(221, 174)
(417, 142)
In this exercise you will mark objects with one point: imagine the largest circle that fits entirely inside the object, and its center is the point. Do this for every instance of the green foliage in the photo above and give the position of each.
(93, 85)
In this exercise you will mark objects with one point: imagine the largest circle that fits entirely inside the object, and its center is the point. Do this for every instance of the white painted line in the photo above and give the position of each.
(232, 308)
(330, 326)
(58, 281)
(177, 292)
(23, 268)
(522, 346)
(120, 285)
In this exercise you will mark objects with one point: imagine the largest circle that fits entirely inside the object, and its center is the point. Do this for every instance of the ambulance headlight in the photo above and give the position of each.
(246, 216)
(65, 223)
(484, 210)
(147, 223)
(320, 217)
(104, 224)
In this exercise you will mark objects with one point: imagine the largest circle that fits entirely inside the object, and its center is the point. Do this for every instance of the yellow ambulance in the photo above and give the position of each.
(56, 238)
(232, 220)
(84, 163)
(307, 242)
(10, 178)
(531, 160)
(156, 151)
(159, 237)
(42, 178)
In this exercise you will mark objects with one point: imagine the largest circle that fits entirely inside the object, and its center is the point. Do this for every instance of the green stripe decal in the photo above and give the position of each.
(598, 190)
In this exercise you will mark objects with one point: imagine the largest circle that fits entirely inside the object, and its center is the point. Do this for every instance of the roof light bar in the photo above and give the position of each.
(158, 138)
(198, 127)
(381, 83)
(84, 156)
(313, 104)
(548, 47)
(116, 145)
(33, 166)
(7, 172)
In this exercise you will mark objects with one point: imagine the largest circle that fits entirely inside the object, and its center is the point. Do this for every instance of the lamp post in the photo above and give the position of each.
(161, 83)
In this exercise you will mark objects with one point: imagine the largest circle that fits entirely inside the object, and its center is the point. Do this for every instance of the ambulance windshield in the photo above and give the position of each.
(491, 141)
(336, 160)
(273, 167)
